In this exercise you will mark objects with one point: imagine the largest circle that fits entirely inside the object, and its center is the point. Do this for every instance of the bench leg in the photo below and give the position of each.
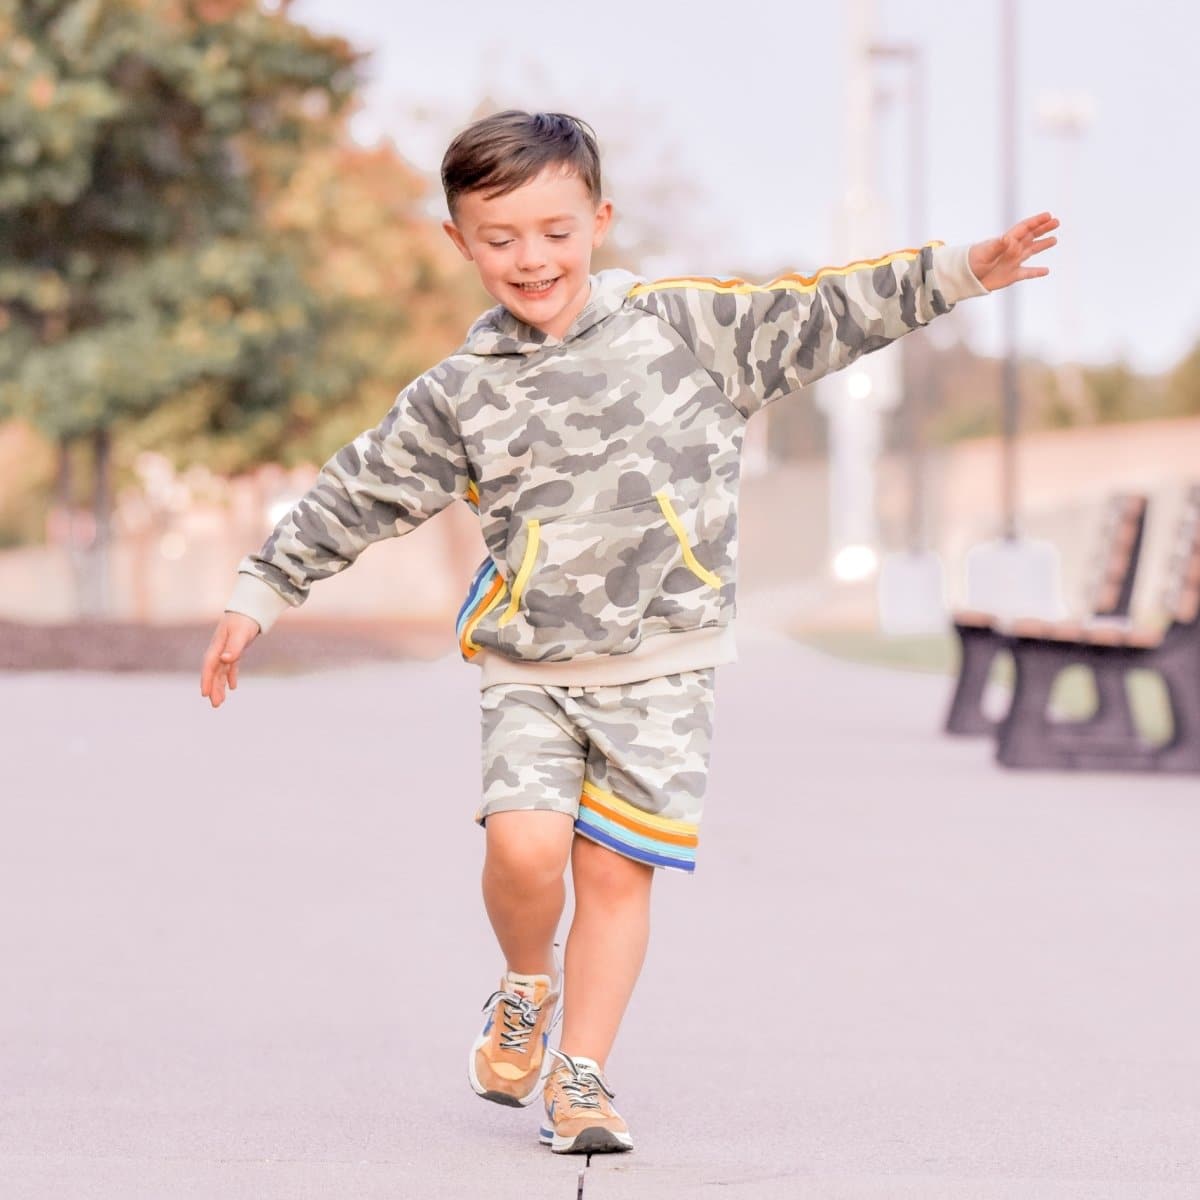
(1024, 738)
(978, 651)
(1180, 670)
(1113, 719)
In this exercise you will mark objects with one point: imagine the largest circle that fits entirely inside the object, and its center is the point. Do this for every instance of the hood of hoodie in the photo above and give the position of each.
(498, 331)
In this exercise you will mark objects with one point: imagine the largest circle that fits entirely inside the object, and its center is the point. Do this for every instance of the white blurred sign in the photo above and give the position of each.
(911, 594)
(1015, 577)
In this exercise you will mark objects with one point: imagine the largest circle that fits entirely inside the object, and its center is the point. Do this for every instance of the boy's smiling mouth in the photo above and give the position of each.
(537, 288)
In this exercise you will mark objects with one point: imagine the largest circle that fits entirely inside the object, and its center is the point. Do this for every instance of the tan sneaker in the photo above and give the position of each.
(579, 1116)
(509, 1060)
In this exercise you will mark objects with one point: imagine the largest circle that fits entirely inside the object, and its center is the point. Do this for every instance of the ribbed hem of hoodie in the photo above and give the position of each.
(955, 278)
(666, 654)
(256, 600)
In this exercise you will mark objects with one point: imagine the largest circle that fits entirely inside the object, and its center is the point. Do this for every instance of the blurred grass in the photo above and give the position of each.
(929, 653)
(1073, 698)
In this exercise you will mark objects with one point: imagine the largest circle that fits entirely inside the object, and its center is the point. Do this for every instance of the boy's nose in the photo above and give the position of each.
(530, 257)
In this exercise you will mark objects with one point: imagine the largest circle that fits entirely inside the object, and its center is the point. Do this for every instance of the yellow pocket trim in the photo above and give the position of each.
(693, 563)
(526, 569)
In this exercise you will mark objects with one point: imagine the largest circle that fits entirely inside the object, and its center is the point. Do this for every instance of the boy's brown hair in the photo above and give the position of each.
(499, 153)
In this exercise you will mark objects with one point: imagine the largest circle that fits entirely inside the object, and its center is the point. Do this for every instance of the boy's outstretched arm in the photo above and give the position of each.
(761, 342)
(385, 483)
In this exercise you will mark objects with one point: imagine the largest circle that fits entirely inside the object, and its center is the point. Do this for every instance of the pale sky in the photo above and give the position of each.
(742, 106)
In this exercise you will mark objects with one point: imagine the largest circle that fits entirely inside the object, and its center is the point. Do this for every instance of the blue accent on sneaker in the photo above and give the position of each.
(490, 1020)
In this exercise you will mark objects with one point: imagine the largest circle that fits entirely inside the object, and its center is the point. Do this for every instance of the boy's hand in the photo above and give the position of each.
(1001, 261)
(233, 634)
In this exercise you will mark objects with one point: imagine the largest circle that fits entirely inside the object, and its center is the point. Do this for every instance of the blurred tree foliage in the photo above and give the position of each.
(137, 141)
(394, 297)
(27, 468)
(138, 144)
(1181, 390)
(963, 394)
(193, 256)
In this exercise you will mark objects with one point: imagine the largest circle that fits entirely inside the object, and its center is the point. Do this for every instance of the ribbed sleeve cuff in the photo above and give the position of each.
(256, 600)
(956, 281)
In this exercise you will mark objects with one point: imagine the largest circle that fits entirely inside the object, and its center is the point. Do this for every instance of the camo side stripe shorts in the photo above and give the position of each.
(628, 762)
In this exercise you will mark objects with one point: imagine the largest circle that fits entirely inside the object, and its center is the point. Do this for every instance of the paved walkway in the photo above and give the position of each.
(243, 955)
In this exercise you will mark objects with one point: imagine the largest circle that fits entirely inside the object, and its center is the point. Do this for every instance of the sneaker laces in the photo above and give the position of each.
(584, 1085)
(519, 1015)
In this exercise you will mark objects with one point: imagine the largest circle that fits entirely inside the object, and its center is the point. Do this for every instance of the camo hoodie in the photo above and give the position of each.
(604, 465)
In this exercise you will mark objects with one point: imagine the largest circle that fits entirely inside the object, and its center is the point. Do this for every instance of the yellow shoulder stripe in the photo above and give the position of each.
(794, 283)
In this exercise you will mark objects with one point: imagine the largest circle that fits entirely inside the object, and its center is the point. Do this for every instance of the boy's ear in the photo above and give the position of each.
(603, 220)
(455, 235)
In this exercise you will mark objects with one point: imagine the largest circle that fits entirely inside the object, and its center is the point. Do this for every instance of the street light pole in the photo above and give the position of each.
(855, 400)
(915, 385)
(911, 584)
(1011, 576)
(1068, 116)
(914, 401)
(1008, 187)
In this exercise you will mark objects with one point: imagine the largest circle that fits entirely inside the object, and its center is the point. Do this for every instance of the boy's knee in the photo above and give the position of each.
(528, 848)
(599, 871)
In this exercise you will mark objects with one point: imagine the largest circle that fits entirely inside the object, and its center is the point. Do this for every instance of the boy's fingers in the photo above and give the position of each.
(219, 668)
(1042, 225)
(211, 660)
(1028, 249)
(1033, 227)
(1034, 222)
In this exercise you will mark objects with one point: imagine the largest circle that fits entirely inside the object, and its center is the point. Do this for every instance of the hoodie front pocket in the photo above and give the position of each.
(689, 555)
(598, 582)
(532, 541)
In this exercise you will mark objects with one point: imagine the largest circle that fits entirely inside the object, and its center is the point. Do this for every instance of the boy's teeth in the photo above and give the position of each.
(536, 287)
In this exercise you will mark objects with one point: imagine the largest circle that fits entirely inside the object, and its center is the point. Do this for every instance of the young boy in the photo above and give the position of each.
(595, 425)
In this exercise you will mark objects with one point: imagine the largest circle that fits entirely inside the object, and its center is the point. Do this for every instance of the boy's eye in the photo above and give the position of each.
(558, 237)
(500, 245)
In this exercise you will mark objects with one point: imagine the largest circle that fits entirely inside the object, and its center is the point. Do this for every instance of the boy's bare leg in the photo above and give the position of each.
(606, 946)
(523, 887)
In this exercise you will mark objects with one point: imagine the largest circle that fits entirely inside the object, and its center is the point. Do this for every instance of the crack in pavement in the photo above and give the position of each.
(582, 1177)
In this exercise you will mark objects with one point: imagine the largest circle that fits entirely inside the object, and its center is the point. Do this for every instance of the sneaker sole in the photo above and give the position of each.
(596, 1140)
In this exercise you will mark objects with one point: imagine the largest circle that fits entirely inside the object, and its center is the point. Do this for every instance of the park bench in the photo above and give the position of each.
(1029, 737)
(981, 636)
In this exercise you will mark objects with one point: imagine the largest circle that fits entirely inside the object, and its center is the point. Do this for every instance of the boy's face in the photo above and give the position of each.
(533, 246)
